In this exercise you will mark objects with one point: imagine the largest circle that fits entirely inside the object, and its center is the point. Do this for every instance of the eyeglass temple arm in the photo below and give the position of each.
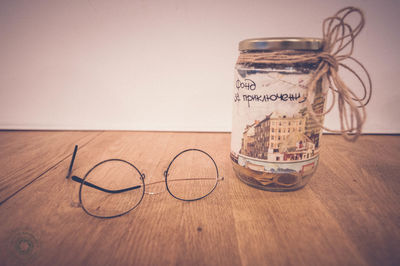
(72, 161)
(80, 180)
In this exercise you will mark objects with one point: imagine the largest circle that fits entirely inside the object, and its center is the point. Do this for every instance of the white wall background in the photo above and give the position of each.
(164, 64)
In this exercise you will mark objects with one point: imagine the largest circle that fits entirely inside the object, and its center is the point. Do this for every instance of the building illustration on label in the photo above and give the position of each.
(278, 138)
(282, 143)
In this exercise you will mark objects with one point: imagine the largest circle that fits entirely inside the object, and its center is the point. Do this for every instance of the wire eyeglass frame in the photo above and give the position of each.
(83, 181)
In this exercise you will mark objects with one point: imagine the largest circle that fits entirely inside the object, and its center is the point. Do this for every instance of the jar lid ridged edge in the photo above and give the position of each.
(284, 43)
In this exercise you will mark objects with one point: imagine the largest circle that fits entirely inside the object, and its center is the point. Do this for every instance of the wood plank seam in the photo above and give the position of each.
(46, 171)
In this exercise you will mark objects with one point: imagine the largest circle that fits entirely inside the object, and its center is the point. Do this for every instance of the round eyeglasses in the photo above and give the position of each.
(114, 187)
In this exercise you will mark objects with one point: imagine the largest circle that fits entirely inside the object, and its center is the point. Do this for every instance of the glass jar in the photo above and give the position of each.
(275, 142)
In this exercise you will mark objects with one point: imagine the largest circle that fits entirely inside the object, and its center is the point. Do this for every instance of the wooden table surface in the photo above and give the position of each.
(347, 215)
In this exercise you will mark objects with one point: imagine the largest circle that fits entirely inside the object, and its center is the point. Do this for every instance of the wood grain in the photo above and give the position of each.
(347, 215)
(26, 155)
(360, 186)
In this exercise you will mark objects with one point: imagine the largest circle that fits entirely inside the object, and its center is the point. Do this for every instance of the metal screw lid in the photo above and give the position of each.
(286, 43)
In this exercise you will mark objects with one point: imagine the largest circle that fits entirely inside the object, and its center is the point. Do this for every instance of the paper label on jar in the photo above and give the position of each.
(271, 130)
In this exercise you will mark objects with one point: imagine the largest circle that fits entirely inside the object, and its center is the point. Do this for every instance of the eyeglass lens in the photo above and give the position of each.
(191, 175)
(114, 176)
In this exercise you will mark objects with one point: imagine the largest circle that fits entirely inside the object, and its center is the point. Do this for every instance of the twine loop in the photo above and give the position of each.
(338, 46)
(329, 59)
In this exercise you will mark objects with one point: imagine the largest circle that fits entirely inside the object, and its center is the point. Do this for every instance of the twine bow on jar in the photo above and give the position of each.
(338, 37)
